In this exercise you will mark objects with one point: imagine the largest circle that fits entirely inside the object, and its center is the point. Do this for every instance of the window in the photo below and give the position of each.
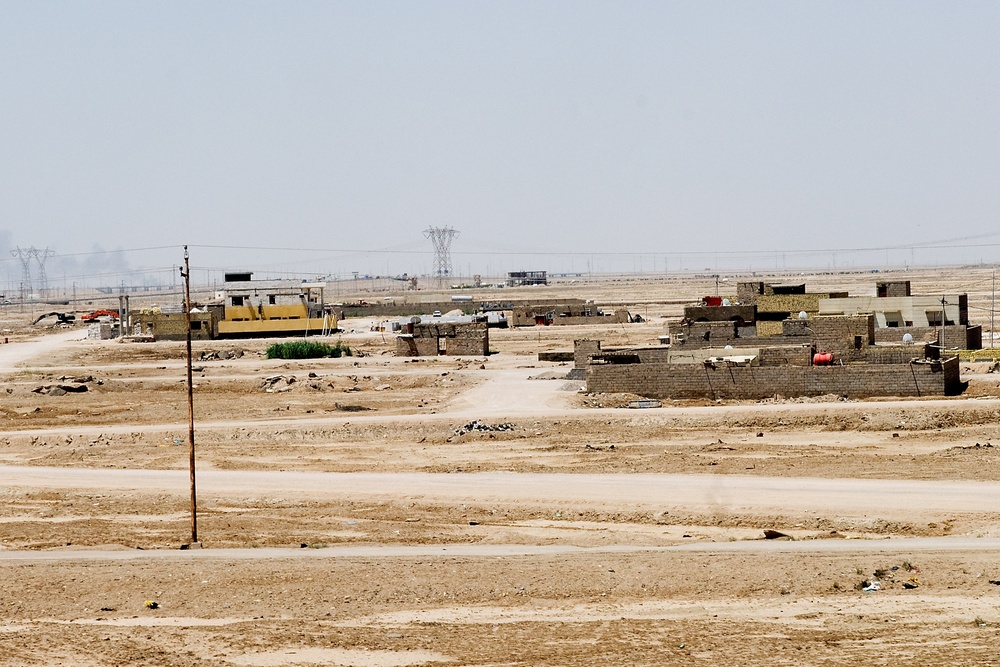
(893, 319)
(857, 342)
(272, 299)
(238, 300)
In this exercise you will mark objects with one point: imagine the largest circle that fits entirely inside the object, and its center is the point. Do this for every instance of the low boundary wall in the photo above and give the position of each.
(666, 381)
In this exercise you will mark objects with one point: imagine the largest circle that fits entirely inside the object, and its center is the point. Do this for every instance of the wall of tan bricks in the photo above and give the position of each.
(838, 334)
(455, 339)
(665, 381)
(956, 336)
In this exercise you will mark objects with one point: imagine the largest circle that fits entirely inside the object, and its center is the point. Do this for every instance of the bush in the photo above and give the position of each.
(307, 349)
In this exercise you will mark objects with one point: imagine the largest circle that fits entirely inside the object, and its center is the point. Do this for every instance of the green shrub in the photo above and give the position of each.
(307, 349)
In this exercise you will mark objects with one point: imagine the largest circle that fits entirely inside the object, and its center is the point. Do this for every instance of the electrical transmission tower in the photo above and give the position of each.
(25, 256)
(441, 237)
(43, 279)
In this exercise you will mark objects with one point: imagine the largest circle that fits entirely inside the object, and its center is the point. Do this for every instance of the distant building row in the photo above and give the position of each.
(760, 311)
(779, 340)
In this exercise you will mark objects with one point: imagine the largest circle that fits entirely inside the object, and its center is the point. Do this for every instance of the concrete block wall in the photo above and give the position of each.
(795, 327)
(695, 335)
(458, 339)
(406, 346)
(847, 337)
(698, 357)
(956, 336)
(769, 328)
(952, 375)
(720, 313)
(896, 354)
(433, 330)
(173, 326)
(747, 292)
(666, 381)
(469, 340)
(771, 290)
(583, 350)
(789, 303)
(893, 288)
(409, 346)
(783, 355)
(620, 316)
(920, 334)
(973, 337)
(654, 354)
(103, 331)
(749, 336)
(567, 314)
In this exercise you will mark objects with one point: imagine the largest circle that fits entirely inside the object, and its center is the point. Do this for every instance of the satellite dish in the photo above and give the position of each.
(725, 302)
(803, 316)
(729, 347)
(907, 338)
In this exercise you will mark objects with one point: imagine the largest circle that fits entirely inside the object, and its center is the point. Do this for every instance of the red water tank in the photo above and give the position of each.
(822, 358)
(713, 301)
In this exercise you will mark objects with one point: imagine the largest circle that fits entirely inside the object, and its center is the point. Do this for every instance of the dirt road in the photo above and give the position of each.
(14, 354)
(728, 494)
(884, 548)
(510, 394)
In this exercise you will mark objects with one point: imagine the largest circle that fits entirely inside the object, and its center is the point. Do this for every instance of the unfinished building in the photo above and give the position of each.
(823, 355)
(776, 303)
(898, 313)
(247, 307)
(443, 338)
(762, 312)
(566, 314)
(172, 324)
(244, 308)
(523, 278)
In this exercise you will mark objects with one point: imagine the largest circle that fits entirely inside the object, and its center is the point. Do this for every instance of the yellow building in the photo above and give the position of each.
(272, 308)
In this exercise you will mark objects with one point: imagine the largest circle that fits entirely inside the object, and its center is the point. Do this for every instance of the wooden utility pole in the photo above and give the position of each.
(121, 315)
(190, 391)
(943, 320)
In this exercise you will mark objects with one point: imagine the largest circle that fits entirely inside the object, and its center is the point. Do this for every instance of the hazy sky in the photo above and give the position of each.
(555, 127)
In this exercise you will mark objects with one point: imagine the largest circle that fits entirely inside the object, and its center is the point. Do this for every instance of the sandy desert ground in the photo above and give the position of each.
(386, 512)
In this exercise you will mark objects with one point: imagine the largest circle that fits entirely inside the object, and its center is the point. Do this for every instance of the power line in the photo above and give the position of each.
(91, 253)
(399, 250)
(930, 245)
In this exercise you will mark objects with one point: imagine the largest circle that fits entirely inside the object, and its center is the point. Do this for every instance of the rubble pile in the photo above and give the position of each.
(477, 425)
(276, 384)
(67, 385)
(60, 389)
(213, 355)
